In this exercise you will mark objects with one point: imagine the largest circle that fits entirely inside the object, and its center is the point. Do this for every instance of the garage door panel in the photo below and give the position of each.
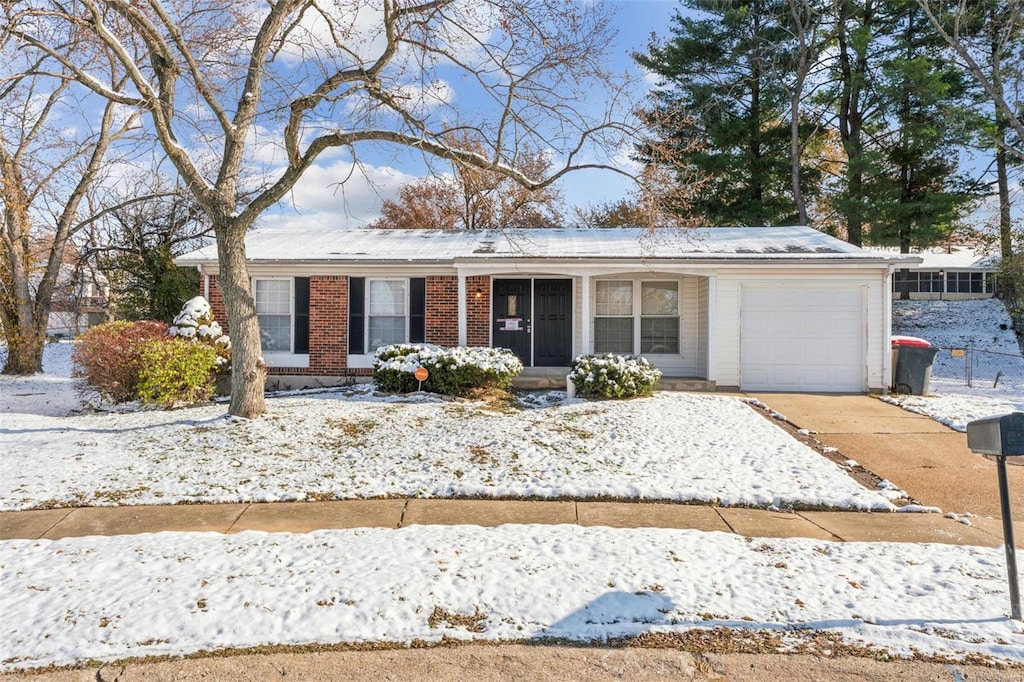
(802, 340)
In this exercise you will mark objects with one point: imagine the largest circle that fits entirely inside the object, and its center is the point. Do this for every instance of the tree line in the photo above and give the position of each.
(880, 122)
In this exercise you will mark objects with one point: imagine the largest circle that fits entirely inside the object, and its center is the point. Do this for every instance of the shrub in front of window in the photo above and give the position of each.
(195, 323)
(173, 371)
(108, 356)
(613, 376)
(453, 371)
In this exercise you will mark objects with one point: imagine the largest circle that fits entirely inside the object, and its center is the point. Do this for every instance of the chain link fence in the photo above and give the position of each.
(990, 369)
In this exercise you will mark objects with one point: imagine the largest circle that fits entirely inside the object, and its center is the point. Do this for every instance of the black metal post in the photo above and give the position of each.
(1011, 552)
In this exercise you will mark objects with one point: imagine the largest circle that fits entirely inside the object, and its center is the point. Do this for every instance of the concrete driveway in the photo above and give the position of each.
(928, 460)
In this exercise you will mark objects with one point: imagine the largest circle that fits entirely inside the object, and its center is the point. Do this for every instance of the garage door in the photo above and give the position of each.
(802, 340)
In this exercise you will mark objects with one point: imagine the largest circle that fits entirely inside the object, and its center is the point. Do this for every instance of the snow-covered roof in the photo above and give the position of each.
(437, 246)
(953, 257)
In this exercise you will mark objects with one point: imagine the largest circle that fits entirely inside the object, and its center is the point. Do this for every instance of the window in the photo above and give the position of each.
(916, 282)
(613, 317)
(386, 306)
(966, 282)
(616, 328)
(274, 313)
(659, 317)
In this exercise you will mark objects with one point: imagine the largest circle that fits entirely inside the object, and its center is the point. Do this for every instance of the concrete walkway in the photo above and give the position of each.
(930, 461)
(301, 517)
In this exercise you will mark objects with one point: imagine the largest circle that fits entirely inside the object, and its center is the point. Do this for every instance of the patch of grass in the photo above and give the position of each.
(353, 431)
(472, 623)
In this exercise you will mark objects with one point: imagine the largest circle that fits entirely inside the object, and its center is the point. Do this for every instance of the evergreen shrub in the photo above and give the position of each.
(613, 376)
(452, 371)
(174, 371)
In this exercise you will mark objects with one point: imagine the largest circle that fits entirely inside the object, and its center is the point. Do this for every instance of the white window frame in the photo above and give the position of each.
(637, 311)
(366, 306)
(632, 313)
(291, 313)
(638, 307)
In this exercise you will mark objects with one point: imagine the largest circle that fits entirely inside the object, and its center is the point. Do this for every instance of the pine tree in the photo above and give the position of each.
(724, 77)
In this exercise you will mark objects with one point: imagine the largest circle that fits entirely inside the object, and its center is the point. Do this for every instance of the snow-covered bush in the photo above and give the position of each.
(108, 356)
(613, 376)
(453, 371)
(174, 371)
(195, 323)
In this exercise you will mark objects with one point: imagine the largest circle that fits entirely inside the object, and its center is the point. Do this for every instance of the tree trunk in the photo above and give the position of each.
(24, 352)
(1002, 178)
(853, 64)
(794, 153)
(248, 373)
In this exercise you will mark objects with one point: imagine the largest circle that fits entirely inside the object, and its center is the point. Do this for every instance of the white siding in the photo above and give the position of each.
(577, 318)
(702, 326)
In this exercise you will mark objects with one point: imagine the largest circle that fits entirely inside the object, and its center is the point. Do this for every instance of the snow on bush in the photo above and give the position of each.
(195, 323)
(613, 376)
(452, 371)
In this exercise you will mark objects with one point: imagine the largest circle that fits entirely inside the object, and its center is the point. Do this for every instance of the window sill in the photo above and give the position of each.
(286, 360)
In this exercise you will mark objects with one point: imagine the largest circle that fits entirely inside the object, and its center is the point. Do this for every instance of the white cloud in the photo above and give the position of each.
(338, 194)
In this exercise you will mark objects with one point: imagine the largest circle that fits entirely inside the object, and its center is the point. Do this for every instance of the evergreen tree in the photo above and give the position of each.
(918, 192)
(724, 77)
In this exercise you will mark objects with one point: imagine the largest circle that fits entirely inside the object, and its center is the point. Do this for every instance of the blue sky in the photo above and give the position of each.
(318, 200)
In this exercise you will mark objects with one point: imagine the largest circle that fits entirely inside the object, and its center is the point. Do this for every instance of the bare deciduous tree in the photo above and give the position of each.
(474, 199)
(49, 163)
(213, 78)
(957, 26)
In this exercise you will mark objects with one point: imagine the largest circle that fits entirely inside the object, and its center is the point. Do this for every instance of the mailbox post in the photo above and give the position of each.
(999, 438)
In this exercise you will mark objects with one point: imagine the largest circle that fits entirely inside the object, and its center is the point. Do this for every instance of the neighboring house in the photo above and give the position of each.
(81, 299)
(948, 273)
(787, 309)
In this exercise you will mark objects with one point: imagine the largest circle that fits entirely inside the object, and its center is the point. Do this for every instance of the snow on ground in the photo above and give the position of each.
(672, 446)
(51, 393)
(983, 325)
(176, 593)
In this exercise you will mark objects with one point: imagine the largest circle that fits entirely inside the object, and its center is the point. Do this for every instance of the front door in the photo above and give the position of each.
(512, 324)
(552, 322)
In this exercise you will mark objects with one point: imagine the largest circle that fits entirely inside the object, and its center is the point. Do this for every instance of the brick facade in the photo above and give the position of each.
(478, 311)
(328, 324)
(216, 301)
(442, 321)
(328, 320)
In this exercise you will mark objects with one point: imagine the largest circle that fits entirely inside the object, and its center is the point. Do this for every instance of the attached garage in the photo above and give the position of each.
(802, 339)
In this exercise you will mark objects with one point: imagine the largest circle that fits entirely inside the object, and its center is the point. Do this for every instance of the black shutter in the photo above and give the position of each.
(301, 315)
(356, 315)
(417, 310)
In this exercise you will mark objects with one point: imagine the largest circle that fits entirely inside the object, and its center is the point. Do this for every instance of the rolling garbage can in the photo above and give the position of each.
(912, 360)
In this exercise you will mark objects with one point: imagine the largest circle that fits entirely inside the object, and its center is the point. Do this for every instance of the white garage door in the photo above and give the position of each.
(802, 340)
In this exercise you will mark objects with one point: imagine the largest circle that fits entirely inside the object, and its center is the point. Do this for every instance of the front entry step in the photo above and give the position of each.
(553, 378)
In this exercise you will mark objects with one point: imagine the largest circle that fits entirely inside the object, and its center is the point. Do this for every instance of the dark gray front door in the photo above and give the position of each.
(552, 322)
(511, 314)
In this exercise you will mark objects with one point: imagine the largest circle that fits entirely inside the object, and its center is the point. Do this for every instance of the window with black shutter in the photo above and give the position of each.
(417, 310)
(356, 315)
(301, 315)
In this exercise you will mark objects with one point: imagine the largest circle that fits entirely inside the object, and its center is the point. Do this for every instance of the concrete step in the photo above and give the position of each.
(556, 381)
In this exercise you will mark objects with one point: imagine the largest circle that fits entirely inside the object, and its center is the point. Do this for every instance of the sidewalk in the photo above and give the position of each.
(302, 517)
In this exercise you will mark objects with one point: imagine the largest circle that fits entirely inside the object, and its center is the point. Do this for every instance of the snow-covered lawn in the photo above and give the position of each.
(173, 593)
(51, 393)
(984, 325)
(355, 445)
